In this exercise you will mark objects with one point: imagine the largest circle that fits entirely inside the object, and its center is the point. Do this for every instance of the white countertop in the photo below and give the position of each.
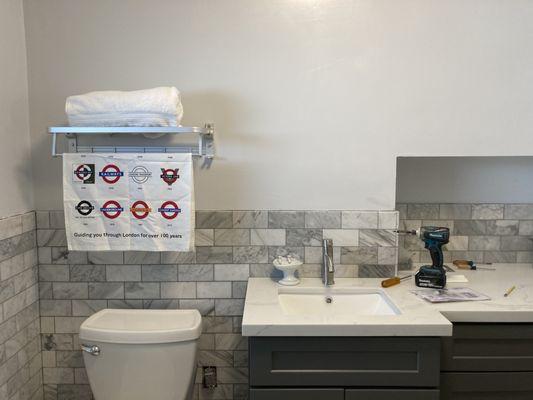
(263, 315)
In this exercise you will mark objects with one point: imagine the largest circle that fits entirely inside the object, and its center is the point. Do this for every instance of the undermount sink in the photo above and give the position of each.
(336, 301)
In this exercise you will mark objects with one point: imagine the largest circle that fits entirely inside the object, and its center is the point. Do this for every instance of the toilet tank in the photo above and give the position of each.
(141, 354)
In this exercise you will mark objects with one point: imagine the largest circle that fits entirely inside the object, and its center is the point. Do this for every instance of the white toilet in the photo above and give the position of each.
(141, 354)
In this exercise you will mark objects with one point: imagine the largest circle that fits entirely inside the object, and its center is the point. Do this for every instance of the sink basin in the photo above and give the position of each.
(336, 301)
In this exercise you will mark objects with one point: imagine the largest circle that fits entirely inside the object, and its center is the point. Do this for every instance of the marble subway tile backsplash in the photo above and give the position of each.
(231, 246)
(20, 349)
(494, 233)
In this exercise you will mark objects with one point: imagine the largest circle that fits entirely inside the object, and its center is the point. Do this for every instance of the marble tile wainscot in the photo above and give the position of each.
(231, 246)
(20, 351)
(497, 233)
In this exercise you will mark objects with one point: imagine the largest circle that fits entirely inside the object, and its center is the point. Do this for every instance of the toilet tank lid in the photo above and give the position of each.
(142, 326)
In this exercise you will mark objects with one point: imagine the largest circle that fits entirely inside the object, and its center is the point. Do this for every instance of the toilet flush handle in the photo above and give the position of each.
(91, 349)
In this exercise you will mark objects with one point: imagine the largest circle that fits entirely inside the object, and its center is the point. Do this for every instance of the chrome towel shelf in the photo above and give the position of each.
(204, 147)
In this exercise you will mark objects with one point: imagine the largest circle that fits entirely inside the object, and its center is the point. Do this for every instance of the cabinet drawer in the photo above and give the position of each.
(486, 386)
(344, 361)
(390, 394)
(488, 347)
(297, 394)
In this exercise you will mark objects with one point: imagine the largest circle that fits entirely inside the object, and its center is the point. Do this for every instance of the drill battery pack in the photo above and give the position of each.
(430, 277)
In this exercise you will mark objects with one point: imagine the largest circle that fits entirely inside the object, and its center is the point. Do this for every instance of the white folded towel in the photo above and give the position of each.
(159, 106)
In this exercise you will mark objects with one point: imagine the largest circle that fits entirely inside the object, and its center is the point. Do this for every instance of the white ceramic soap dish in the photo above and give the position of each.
(288, 265)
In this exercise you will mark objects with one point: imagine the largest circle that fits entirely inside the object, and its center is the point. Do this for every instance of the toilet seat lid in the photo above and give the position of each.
(142, 326)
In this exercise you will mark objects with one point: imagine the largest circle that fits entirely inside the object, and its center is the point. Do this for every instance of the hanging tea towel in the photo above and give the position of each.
(129, 201)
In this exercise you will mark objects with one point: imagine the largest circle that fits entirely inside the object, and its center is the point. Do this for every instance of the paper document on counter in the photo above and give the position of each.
(449, 295)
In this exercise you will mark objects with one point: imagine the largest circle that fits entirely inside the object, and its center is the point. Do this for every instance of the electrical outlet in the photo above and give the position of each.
(210, 377)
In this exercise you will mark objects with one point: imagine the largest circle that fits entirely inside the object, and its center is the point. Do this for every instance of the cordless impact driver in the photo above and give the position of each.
(434, 237)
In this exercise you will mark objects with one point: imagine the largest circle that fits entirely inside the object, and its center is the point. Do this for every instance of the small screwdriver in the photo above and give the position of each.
(393, 281)
(406, 232)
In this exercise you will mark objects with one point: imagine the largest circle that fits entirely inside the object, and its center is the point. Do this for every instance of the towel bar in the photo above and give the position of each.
(203, 148)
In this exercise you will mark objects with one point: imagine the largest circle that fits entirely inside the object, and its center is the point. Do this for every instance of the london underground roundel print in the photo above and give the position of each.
(110, 174)
(169, 209)
(111, 209)
(140, 209)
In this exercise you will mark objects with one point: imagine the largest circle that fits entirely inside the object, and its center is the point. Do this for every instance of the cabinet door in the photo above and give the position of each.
(297, 394)
(488, 347)
(486, 386)
(344, 361)
(392, 394)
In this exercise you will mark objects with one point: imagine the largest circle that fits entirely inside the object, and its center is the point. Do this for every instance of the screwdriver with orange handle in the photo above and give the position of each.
(467, 264)
(393, 281)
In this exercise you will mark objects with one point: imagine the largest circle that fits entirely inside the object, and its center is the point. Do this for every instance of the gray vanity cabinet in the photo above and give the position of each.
(343, 394)
(296, 394)
(479, 362)
(351, 368)
(488, 361)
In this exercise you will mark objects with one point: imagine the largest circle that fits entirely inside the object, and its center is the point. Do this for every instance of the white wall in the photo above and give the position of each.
(465, 180)
(16, 195)
(313, 99)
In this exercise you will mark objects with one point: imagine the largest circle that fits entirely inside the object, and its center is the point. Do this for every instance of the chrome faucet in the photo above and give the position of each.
(328, 269)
